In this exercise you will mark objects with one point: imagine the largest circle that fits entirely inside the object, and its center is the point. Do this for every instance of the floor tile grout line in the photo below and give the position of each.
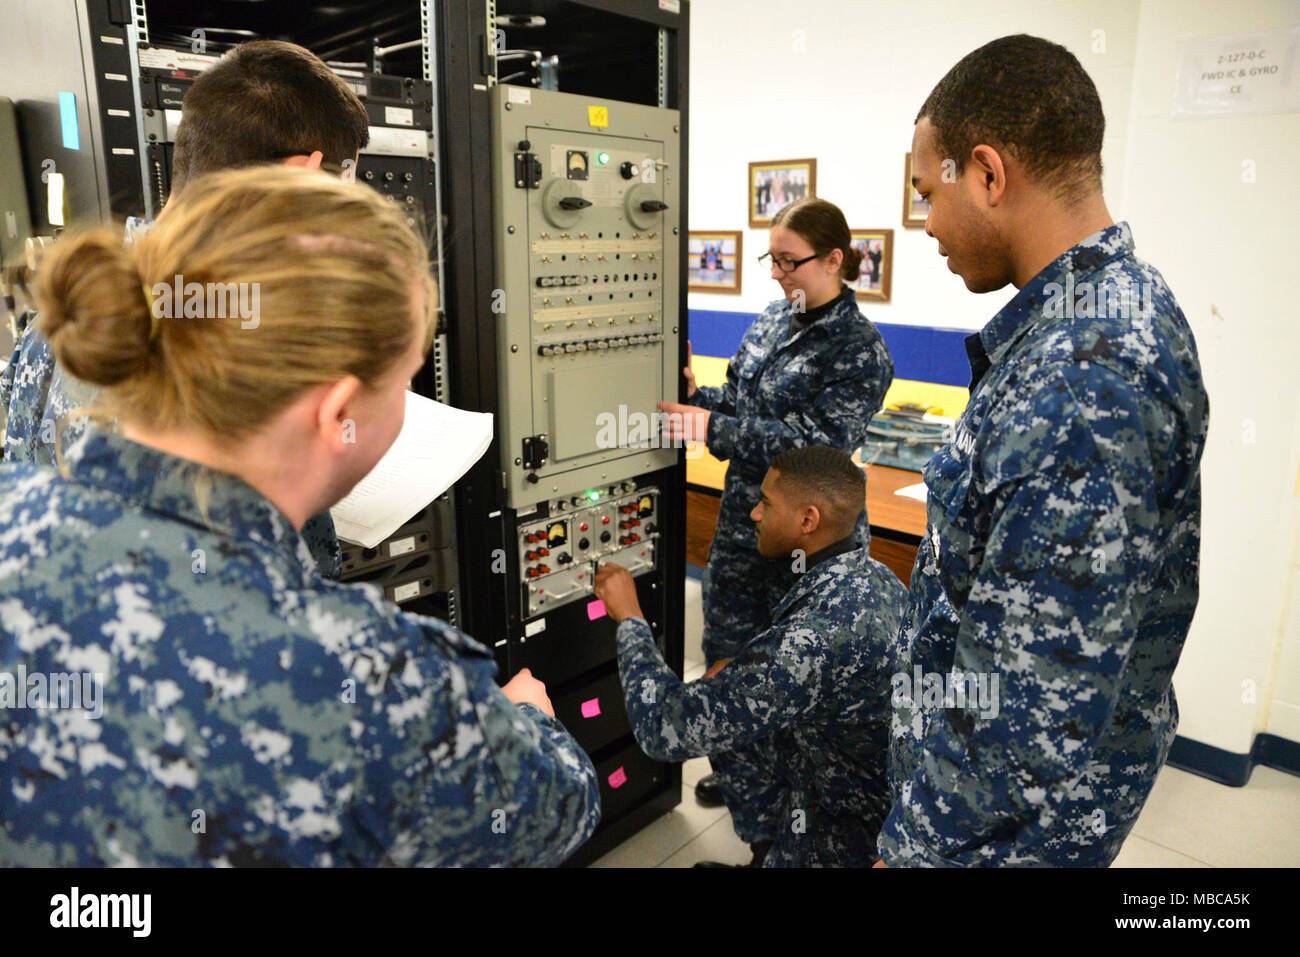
(689, 839)
(694, 837)
(670, 853)
(1173, 850)
(725, 817)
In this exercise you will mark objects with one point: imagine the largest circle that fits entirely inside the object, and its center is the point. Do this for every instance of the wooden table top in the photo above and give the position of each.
(896, 513)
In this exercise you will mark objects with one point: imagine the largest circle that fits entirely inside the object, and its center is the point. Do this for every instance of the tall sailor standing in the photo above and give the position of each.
(811, 370)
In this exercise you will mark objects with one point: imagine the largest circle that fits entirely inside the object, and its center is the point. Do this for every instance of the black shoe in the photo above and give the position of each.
(758, 850)
(707, 792)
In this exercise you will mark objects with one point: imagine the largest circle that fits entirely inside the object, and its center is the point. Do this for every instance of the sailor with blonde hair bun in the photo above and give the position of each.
(307, 722)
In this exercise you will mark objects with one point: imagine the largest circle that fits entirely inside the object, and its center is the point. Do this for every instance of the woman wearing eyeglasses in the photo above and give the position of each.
(811, 370)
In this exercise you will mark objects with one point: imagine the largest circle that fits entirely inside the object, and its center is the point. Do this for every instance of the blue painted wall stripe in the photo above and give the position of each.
(923, 353)
(718, 333)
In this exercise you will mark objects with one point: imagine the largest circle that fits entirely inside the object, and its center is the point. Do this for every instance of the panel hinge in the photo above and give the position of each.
(535, 453)
(528, 168)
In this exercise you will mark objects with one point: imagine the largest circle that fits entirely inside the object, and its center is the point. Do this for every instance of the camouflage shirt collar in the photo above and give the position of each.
(176, 488)
(830, 317)
(846, 544)
(1024, 311)
(817, 573)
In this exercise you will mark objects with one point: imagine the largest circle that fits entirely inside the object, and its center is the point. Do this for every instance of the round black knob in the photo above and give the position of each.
(627, 170)
(583, 543)
(525, 145)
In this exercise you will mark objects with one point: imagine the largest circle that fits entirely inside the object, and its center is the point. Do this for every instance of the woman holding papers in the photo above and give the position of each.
(249, 711)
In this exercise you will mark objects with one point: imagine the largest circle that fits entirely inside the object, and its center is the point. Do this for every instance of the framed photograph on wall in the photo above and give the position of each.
(877, 247)
(776, 183)
(915, 209)
(713, 260)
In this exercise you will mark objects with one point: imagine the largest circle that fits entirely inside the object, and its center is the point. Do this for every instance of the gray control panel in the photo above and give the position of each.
(588, 247)
(559, 554)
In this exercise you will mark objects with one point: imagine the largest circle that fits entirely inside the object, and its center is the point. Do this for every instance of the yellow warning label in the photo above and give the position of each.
(598, 116)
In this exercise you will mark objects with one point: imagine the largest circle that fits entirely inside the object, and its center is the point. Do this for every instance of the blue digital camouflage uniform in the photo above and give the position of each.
(820, 386)
(253, 711)
(808, 698)
(1061, 559)
(38, 397)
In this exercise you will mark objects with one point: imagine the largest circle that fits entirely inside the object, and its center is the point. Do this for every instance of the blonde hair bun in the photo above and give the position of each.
(93, 308)
(253, 286)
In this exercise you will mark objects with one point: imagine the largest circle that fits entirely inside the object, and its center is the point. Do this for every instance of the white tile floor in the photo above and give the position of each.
(1188, 821)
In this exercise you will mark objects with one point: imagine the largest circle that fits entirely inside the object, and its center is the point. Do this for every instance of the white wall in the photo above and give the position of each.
(849, 99)
(1229, 246)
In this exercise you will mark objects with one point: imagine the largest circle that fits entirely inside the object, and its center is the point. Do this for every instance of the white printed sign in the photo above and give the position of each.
(399, 116)
(1241, 73)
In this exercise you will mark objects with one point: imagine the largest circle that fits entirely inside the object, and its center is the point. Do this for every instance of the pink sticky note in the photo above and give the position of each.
(591, 709)
(595, 609)
(618, 778)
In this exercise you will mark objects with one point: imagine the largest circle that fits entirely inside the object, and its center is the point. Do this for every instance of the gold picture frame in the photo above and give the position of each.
(915, 209)
(774, 183)
(714, 260)
(877, 246)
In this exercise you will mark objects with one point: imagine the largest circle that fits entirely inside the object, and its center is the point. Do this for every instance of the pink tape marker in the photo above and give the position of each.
(591, 709)
(595, 609)
(618, 778)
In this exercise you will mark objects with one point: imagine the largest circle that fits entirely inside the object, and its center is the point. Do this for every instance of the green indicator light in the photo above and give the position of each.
(594, 496)
(602, 158)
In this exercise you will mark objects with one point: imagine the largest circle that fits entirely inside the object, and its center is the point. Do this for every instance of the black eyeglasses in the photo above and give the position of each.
(784, 263)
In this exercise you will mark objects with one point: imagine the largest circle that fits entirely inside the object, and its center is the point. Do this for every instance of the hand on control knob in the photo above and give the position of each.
(615, 587)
